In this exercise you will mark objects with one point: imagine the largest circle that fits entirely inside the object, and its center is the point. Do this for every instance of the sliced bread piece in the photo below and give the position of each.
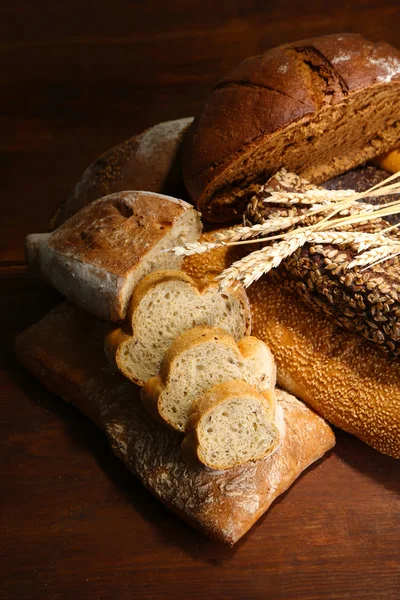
(231, 425)
(164, 305)
(97, 257)
(199, 359)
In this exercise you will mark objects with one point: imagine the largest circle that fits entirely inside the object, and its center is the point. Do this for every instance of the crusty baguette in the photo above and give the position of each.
(147, 161)
(165, 304)
(230, 425)
(98, 256)
(65, 351)
(318, 107)
(199, 359)
(346, 379)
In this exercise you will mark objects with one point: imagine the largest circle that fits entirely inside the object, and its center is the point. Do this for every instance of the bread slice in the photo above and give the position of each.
(318, 107)
(147, 161)
(164, 305)
(231, 425)
(199, 359)
(97, 257)
(65, 351)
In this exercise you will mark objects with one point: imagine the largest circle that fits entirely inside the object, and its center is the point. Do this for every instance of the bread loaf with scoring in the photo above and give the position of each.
(97, 257)
(65, 351)
(318, 107)
(199, 359)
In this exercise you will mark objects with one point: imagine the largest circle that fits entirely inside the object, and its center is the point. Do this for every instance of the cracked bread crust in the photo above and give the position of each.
(318, 107)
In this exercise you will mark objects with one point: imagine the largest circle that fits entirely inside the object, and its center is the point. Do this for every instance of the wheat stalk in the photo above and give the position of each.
(374, 255)
(343, 211)
(258, 263)
(309, 197)
(254, 265)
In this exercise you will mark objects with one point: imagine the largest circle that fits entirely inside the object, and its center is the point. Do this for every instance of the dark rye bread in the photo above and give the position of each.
(318, 107)
(147, 161)
(65, 351)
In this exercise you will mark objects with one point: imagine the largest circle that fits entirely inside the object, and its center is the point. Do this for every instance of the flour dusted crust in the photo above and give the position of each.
(97, 256)
(147, 161)
(65, 351)
(318, 107)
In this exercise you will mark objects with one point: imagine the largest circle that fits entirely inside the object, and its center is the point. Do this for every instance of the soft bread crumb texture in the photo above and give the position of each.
(98, 256)
(236, 429)
(200, 359)
(171, 304)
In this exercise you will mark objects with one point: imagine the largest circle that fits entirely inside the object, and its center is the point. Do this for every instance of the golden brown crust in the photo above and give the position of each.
(389, 161)
(95, 256)
(65, 351)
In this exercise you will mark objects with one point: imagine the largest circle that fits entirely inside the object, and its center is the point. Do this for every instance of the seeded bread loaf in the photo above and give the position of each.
(318, 107)
(98, 256)
(230, 425)
(148, 161)
(164, 305)
(345, 378)
(65, 351)
(358, 299)
(199, 359)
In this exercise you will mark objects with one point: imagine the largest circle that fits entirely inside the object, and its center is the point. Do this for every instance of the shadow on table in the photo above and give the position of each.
(371, 463)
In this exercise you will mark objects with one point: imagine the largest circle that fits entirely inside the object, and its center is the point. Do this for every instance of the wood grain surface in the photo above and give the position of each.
(77, 78)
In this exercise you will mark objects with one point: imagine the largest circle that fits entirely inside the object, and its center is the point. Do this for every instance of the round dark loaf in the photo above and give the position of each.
(148, 161)
(318, 107)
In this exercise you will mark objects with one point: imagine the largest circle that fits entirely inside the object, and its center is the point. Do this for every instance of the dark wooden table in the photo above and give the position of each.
(76, 78)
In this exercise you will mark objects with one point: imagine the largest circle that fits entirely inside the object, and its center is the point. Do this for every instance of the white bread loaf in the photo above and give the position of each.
(231, 425)
(65, 351)
(98, 256)
(199, 359)
(165, 304)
